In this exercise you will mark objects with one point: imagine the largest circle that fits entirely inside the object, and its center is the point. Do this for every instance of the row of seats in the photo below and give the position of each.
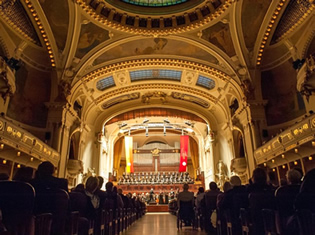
(56, 212)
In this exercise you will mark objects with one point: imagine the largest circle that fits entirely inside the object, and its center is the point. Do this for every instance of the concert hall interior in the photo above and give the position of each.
(149, 96)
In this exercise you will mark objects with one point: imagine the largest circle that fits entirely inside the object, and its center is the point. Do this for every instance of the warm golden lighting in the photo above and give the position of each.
(313, 143)
(273, 160)
(18, 166)
(283, 166)
(310, 158)
(273, 169)
(282, 156)
(1, 146)
(295, 162)
(4, 161)
(32, 159)
(18, 153)
(296, 150)
(265, 164)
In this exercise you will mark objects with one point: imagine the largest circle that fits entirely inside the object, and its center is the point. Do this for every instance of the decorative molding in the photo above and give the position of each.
(153, 26)
(121, 99)
(156, 86)
(190, 98)
(140, 63)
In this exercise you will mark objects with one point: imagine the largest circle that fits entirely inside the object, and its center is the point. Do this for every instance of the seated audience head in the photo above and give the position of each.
(213, 185)
(259, 176)
(120, 191)
(185, 187)
(100, 181)
(79, 188)
(293, 176)
(227, 186)
(24, 174)
(201, 190)
(308, 184)
(91, 184)
(109, 186)
(235, 181)
(45, 169)
(4, 176)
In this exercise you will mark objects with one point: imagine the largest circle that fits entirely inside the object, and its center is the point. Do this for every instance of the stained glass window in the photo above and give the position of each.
(105, 83)
(150, 74)
(205, 82)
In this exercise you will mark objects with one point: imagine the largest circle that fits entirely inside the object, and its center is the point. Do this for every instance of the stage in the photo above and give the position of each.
(157, 208)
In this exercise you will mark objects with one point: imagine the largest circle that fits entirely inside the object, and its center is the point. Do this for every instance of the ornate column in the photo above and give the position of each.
(7, 85)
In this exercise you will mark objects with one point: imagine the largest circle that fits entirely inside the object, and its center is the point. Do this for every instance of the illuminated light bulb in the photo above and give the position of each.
(273, 169)
(18, 153)
(283, 166)
(32, 159)
(4, 161)
(1, 146)
(273, 160)
(265, 164)
(310, 158)
(18, 166)
(282, 156)
(295, 162)
(313, 143)
(296, 150)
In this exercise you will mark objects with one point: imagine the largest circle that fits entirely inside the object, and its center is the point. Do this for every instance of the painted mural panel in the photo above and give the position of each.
(32, 91)
(220, 35)
(253, 13)
(156, 46)
(90, 36)
(279, 89)
(57, 13)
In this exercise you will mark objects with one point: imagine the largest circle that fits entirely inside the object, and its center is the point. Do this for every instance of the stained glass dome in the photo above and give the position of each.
(155, 3)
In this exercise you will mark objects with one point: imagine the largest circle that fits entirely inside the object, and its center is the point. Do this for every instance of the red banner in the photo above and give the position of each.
(184, 141)
(128, 152)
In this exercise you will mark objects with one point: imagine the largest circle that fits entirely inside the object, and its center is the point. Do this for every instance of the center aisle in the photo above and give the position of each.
(159, 224)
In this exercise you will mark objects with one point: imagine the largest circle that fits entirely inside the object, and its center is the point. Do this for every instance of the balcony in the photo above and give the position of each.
(298, 139)
(20, 146)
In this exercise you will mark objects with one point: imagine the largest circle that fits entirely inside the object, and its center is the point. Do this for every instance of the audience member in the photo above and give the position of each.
(294, 176)
(199, 197)
(44, 178)
(185, 195)
(24, 174)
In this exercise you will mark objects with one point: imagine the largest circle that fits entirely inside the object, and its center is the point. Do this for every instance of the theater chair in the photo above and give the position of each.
(54, 201)
(43, 224)
(186, 215)
(17, 203)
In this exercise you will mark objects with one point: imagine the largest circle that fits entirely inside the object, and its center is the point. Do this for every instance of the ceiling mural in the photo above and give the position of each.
(253, 13)
(156, 46)
(57, 13)
(220, 35)
(90, 37)
(279, 89)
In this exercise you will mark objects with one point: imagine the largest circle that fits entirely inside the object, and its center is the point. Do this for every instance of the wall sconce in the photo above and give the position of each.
(295, 163)
(4, 161)
(282, 156)
(273, 160)
(265, 164)
(18, 153)
(283, 166)
(296, 150)
(32, 159)
(273, 169)
(310, 158)
(18, 166)
(313, 143)
(1, 146)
